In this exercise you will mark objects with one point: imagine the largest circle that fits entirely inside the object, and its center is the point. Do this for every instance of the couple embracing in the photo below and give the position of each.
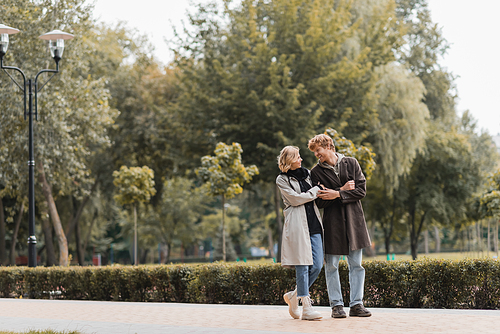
(336, 184)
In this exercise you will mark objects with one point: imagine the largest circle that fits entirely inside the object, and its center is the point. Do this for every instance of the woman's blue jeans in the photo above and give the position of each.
(306, 275)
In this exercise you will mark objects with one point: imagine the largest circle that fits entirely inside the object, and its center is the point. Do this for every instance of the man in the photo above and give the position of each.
(343, 222)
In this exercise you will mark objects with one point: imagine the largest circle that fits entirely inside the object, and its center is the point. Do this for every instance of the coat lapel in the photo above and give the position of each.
(333, 177)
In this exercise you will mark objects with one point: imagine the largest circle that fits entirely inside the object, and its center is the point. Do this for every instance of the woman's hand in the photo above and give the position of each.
(328, 194)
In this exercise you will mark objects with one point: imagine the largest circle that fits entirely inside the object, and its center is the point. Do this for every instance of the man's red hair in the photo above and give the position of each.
(321, 140)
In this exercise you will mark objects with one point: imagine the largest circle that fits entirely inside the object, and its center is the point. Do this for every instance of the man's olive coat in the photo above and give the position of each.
(343, 219)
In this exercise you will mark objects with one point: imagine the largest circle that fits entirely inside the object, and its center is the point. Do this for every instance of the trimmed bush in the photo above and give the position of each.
(417, 284)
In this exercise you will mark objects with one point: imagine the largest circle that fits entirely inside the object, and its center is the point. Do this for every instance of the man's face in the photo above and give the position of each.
(322, 153)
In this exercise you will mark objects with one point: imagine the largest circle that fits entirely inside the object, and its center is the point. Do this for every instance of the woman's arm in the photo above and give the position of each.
(293, 197)
(316, 179)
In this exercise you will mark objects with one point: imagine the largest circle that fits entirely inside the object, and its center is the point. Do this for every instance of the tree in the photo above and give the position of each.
(234, 227)
(180, 207)
(275, 64)
(490, 202)
(397, 136)
(443, 179)
(224, 175)
(134, 185)
(73, 110)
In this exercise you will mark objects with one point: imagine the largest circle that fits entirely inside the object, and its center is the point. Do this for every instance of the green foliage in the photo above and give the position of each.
(210, 223)
(363, 154)
(134, 184)
(224, 173)
(472, 284)
(74, 114)
(490, 200)
(400, 130)
(267, 74)
(179, 210)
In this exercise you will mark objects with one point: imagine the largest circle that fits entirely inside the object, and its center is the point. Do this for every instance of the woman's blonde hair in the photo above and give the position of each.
(287, 156)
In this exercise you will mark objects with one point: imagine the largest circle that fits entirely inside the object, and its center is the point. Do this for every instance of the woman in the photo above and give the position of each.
(302, 244)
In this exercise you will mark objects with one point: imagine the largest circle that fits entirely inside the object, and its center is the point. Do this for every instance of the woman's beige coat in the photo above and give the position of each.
(296, 242)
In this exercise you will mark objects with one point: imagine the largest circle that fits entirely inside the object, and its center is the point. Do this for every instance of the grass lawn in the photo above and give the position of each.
(383, 257)
(49, 331)
(445, 256)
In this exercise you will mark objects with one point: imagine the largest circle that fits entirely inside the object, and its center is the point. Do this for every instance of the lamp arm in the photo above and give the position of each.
(45, 71)
(23, 87)
(39, 89)
(4, 68)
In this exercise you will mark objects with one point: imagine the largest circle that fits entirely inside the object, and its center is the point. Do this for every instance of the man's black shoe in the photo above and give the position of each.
(359, 310)
(338, 312)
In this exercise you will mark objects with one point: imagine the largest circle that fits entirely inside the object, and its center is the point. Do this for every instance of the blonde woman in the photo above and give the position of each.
(302, 244)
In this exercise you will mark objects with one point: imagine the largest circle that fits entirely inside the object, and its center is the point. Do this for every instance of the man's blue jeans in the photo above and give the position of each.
(306, 275)
(356, 278)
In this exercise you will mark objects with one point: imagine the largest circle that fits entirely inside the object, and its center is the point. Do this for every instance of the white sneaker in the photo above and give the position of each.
(308, 313)
(293, 303)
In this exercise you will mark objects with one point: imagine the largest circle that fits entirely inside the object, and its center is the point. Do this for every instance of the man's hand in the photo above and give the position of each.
(328, 194)
(349, 185)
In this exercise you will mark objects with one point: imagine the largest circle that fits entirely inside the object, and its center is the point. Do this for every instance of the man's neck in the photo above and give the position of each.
(332, 159)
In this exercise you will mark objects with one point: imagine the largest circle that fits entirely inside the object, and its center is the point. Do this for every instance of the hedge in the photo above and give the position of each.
(416, 284)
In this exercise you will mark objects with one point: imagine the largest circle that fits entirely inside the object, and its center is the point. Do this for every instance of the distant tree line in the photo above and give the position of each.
(262, 74)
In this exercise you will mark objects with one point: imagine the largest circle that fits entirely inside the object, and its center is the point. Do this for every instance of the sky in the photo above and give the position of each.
(470, 27)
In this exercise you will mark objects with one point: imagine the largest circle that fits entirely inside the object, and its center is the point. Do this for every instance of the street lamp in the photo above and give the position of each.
(56, 46)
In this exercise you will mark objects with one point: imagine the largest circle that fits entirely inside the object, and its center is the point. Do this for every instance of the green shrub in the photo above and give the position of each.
(417, 284)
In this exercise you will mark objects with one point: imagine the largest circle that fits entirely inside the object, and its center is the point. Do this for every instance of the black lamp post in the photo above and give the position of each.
(56, 46)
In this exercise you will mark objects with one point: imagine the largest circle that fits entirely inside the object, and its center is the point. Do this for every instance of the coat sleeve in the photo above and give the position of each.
(293, 197)
(359, 191)
(320, 203)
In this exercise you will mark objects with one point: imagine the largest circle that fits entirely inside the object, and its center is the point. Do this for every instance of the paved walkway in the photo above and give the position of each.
(150, 318)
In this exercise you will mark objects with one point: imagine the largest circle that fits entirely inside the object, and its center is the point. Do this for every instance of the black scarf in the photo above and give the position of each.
(301, 174)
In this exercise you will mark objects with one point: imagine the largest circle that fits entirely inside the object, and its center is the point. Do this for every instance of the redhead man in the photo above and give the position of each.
(345, 231)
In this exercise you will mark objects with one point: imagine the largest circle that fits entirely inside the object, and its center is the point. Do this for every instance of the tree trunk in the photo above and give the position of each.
(270, 240)
(438, 239)
(411, 223)
(49, 240)
(167, 253)
(87, 238)
(279, 221)
(496, 238)
(426, 242)
(468, 240)
(223, 229)
(370, 251)
(144, 256)
(14, 236)
(489, 239)
(54, 215)
(387, 242)
(135, 234)
(76, 216)
(3, 249)
(182, 252)
(388, 231)
(479, 238)
(80, 254)
(415, 229)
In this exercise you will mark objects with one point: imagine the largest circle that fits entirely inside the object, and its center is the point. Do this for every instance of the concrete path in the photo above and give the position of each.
(150, 318)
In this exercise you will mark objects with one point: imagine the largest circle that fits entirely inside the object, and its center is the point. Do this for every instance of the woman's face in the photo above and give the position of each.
(297, 163)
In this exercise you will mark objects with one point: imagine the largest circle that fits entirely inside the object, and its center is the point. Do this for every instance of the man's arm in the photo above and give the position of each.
(359, 191)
